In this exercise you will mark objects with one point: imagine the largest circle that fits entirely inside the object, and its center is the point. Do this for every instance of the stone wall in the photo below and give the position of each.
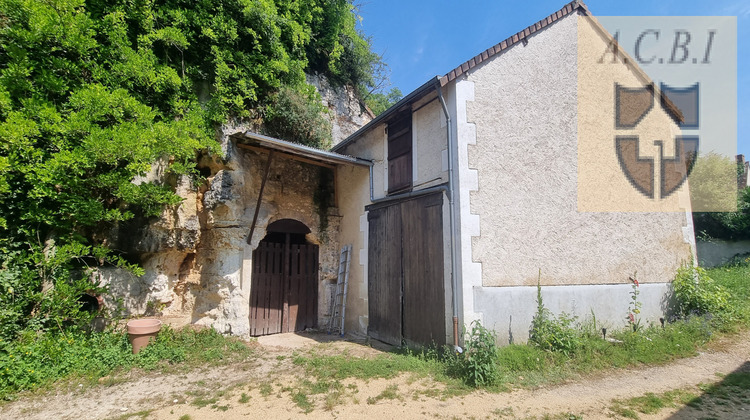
(197, 258)
(716, 252)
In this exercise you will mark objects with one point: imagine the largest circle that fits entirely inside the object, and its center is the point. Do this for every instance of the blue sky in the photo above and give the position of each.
(421, 39)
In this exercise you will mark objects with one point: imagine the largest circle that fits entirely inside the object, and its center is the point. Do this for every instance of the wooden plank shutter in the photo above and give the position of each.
(399, 154)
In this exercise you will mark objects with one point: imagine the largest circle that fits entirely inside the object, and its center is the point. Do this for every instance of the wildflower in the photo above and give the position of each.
(632, 317)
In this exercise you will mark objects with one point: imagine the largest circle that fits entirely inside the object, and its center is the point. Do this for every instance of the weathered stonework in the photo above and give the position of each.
(347, 112)
(197, 256)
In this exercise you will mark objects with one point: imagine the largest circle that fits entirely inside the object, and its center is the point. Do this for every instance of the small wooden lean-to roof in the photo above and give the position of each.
(307, 154)
(275, 147)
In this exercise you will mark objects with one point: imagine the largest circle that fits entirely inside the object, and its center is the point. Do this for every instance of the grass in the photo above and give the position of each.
(651, 403)
(201, 402)
(733, 392)
(384, 366)
(503, 412)
(528, 366)
(389, 393)
(734, 389)
(303, 393)
(36, 361)
(523, 365)
(142, 414)
(302, 401)
(266, 389)
(244, 398)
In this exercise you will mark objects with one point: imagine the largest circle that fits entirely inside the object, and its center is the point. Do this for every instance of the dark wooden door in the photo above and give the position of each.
(424, 287)
(384, 274)
(406, 292)
(283, 295)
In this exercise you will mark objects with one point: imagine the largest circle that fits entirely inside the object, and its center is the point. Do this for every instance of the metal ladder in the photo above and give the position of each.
(336, 323)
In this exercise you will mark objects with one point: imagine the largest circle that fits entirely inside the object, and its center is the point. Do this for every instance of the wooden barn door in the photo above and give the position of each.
(384, 289)
(424, 286)
(406, 290)
(284, 292)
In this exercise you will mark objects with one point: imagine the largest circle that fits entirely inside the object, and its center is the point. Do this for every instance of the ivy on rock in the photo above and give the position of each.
(92, 93)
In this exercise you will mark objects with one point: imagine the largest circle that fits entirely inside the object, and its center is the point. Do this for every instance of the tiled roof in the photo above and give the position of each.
(521, 36)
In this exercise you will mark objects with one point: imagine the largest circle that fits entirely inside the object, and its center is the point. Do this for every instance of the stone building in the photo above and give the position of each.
(505, 173)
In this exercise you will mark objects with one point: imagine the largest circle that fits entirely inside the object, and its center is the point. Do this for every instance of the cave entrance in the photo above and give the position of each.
(284, 286)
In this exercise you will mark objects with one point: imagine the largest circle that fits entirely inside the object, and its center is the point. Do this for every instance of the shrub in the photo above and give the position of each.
(552, 333)
(481, 351)
(696, 293)
(92, 93)
(477, 365)
(299, 117)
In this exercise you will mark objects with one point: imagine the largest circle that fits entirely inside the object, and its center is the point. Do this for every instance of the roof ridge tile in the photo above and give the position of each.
(512, 40)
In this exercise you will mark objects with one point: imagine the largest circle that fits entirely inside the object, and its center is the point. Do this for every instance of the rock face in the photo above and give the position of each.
(198, 256)
(347, 112)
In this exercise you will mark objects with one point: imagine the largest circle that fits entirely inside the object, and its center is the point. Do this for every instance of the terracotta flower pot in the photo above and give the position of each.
(141, 331)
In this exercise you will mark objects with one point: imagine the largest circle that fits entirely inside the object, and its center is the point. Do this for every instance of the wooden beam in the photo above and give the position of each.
(335, 187)
(286, 155)
(260, 196)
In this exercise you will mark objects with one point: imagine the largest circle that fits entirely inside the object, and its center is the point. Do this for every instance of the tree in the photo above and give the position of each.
(92, 93)
(713, 183)
(379, 102)
(732, 225)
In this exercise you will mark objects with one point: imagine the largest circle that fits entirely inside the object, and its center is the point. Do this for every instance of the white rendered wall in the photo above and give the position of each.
(429, 146)
(516, 131)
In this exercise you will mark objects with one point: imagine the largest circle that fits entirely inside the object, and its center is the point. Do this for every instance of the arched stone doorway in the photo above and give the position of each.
(284, 286)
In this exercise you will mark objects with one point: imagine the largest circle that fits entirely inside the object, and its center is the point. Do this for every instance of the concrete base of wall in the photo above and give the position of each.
(509, 310)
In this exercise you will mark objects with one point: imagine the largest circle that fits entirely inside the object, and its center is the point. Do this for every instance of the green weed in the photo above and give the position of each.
(266, 389)
(651, 403)
(504, 412)
(332, 400)
(201, 402)
(389, 393)
(142, 414)
(302, 401)
(550, 332)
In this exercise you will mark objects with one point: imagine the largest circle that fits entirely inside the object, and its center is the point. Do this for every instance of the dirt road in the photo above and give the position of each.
(264, 388)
